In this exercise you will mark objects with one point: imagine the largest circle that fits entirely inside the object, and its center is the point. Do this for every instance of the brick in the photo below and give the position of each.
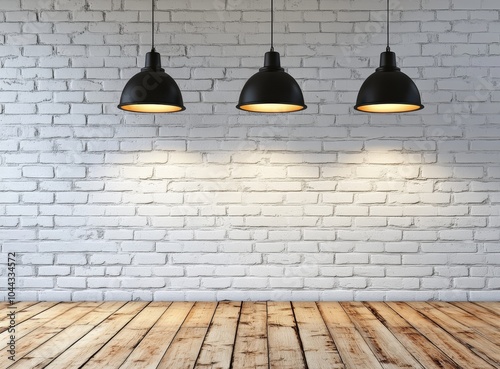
(456, 235)
(469, 283)
(470, 198)
(437, 172)
(9, 198)
(351, 259)
(303, 172)
(71, 259)
(53, 270)
(395, 283)
(36, 283)
(342, 210)
(338, 198)
(38, 172)
(38, 259)
(409, 271)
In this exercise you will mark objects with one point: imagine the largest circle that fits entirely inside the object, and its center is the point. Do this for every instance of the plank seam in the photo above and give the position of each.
(297, 332)
(206, 334)
(235, 336)
(118, 331)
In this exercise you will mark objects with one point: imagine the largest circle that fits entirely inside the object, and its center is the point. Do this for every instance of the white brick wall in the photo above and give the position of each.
(213, 203)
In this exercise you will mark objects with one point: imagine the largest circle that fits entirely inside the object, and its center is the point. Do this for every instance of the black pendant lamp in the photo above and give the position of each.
(271, 90)
(152, 90)
(388, 90)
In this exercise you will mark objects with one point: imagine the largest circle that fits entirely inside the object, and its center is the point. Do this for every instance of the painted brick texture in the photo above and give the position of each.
(214, 203)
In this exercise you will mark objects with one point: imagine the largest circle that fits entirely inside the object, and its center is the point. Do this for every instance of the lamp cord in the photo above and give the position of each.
(153, 24)
(272, 25)
(388, 19)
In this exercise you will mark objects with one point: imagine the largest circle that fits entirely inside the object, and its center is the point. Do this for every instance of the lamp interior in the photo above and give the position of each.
(389, 108)
(271, 108)
(151, 108)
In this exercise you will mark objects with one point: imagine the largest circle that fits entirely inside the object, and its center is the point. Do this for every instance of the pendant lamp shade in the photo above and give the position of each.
(152, 90)
(271, 90)
(388, 90)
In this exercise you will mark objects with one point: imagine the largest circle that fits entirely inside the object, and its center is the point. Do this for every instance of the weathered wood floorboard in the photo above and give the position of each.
(254, 335)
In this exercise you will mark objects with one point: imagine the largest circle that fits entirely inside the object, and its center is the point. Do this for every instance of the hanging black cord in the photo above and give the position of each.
(153, 24)
(272, 25)
(388, 15)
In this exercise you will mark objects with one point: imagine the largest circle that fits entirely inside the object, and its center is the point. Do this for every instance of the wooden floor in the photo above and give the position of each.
(253, 335)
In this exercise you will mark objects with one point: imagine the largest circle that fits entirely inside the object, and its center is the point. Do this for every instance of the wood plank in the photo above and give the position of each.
(185, 348)
(149, 352)
(24, 328)
(250, 349)
(476, 342)
(22, 305)
(480, 312)
(427, 354)
(86, 347)
(492, 306)
(352, 348)
(41, 356)
(19, 308)
(116, 351)
(33, 310)
(318, 346)
(285, 351)
(387, 349)
(37, 319)
(480, 326)
(43, 333)
(459, 353)
(219, 341)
